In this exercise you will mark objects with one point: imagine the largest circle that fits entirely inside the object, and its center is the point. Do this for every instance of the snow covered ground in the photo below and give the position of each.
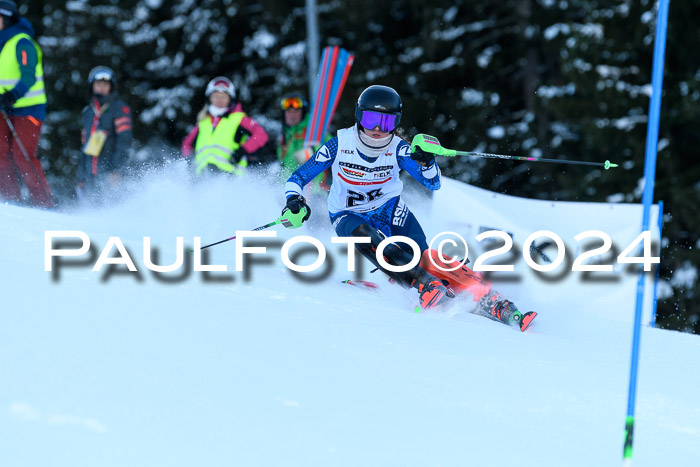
(128, 369)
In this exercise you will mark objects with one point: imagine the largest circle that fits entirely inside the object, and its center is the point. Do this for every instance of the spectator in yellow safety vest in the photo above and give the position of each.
(23, 108)
(224, 137)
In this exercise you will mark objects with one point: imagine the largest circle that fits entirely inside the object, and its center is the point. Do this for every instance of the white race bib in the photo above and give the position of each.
(358, 185)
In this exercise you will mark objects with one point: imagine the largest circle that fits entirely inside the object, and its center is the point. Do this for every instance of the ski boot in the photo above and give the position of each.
(497, 307)
(431, 290)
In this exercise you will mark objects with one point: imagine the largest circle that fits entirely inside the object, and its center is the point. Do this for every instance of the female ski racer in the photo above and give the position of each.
(365, 201)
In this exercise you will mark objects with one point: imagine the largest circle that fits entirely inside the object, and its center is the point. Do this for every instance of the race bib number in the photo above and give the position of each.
(355, 198)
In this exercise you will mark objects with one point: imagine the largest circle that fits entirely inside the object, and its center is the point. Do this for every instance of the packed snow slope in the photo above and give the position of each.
(116, 368)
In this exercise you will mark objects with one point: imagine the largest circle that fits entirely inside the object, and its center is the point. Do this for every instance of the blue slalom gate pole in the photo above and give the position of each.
(647, 198)
(658, 270)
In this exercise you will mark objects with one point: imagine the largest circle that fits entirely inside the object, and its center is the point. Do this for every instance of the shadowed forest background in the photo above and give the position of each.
(556, 79)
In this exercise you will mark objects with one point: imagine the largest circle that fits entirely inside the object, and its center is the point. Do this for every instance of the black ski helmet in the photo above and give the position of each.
(102, 73)
(8, 9)
(379, 99)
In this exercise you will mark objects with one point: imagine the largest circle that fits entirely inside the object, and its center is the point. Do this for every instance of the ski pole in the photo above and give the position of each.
(26, 154)
(431, 144)
(287, 219)
(262, 227)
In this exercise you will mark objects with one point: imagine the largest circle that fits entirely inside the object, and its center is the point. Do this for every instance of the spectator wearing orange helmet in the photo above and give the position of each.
(291, 151)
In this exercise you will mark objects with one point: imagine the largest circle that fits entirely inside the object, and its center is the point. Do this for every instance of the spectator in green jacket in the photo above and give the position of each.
(291, 151)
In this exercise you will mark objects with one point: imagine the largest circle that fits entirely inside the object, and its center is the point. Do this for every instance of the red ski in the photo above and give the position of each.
(527, 320)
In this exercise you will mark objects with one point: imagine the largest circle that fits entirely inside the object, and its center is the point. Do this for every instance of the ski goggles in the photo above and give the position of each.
(220, 86)
(102, 76)
(371, 119)
(292, 102)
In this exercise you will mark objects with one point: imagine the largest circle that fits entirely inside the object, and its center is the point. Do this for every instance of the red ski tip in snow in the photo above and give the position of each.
(526, 320)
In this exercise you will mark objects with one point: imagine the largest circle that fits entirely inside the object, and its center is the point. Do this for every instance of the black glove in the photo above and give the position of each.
(238, 155)
(426, 159)
(7, 100)
(295, 203)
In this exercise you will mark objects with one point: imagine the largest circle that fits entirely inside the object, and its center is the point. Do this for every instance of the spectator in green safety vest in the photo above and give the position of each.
(291, 151)
(224, 136)
(23, 108)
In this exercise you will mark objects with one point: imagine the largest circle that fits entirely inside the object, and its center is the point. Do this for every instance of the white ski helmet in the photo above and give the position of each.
(221, 84)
